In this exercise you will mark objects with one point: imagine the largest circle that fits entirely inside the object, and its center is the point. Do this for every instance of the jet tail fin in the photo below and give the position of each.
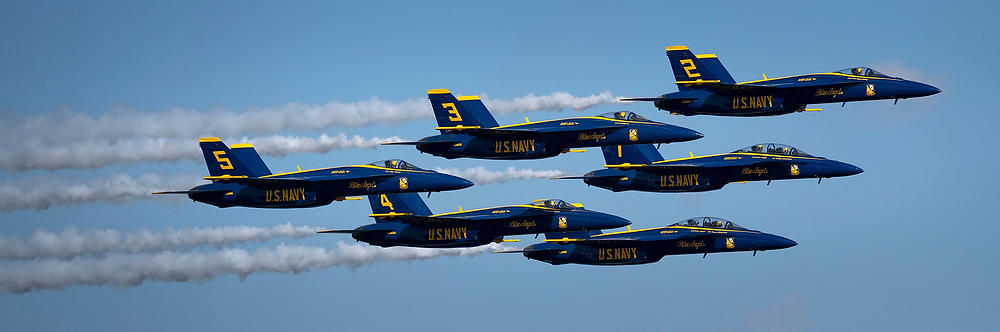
(714, 66)
(466, 111)
(688, 68)
(222, 161)
(251, 159)
(636, 154)
(402, 203)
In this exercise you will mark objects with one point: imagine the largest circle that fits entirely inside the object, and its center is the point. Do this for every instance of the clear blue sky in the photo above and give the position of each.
(907, 245)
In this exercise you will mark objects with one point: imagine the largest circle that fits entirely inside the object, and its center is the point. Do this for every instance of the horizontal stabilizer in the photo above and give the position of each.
(569, 177)
(509, 251)
(423, 143)
(526, 250)
(402, 143)
(346, 231)
(663, 99)
(188, 192)
(641, 99)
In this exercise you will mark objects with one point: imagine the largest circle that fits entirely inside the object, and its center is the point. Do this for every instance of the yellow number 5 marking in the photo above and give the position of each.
(688, 67)
(452, 112)
(385, 201)
(223, 161)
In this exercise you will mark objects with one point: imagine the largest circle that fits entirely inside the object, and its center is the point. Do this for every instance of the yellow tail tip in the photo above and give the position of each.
(209, 139)
(437, 91)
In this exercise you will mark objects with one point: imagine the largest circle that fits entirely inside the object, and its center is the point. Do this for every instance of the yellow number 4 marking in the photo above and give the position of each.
(385, 201)
(223, 161)
(688, 67)
(452, 112)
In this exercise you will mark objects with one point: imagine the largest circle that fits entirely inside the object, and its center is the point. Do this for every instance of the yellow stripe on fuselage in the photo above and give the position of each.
(675, 227)
(361, 166)
(835, 74)
(738, 154)
(582, 117)
(494, 208)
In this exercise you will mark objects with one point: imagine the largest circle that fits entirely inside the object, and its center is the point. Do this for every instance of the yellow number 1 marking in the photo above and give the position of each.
(688, 67)
(385, 201)
(223, 161)
(452, 112)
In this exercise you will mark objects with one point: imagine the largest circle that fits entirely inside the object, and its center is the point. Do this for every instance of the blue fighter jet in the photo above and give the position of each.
(240, 178)
(404, 220)
(640, 167)
(469, 131)
(705, 87)
(701, 235)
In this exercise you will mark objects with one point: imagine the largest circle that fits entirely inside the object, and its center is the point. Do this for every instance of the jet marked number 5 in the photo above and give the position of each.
(452, 112)
(223, 161)
(688, 67)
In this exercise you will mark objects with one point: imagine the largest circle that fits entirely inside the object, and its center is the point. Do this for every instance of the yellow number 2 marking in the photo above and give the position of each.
(385, 201)
(223, 161)
(452, 112)
(688, 67)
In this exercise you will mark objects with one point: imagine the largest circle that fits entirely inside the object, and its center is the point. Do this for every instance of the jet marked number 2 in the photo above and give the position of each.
(688, 67)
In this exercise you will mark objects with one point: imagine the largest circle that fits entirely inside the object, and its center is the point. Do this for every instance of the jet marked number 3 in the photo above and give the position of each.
(452, 112)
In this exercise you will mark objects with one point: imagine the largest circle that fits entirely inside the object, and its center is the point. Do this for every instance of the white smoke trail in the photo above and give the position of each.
(556, 101)
(40, 193)
(279, 146)
(71, 242)
(33, 154)
(117, 125)
(480, 175)
(131, 270)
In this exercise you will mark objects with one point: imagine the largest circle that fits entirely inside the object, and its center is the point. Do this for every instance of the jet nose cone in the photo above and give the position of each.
(690, 135)
(616, 221)
(451, 182)
(843, 169)
(779, 242)
(463, 183)
(921, 90)
(786, 243)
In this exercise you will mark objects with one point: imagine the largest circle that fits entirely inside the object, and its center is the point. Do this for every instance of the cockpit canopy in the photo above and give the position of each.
(395, 164)
(773, 148)
(861, 71)
(710, 222)
(555, 204)
(624, 115)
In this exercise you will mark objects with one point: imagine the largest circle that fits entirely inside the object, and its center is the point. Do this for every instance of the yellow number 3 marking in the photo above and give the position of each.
(452, 112)
(223, 161)
(385, 201)
(688, 67)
